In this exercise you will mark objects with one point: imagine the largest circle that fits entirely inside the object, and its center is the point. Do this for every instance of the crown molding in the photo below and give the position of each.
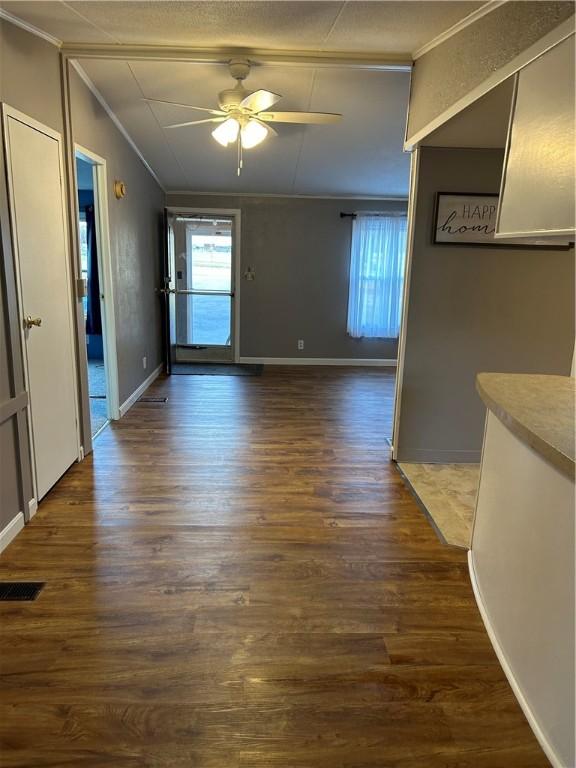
(354, 60)
(367, 198)
(112, 115)
(488, 7)
(30, 28)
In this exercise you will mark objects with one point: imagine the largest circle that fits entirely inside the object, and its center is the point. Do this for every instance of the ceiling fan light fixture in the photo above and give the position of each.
(252, 134)
(227, 132)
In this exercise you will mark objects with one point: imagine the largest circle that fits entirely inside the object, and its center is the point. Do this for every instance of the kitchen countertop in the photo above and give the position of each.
(538, 409)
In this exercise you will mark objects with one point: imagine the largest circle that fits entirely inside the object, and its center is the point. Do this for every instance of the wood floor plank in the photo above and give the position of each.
(238, 578)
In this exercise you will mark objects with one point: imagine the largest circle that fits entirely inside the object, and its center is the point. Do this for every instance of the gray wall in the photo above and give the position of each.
(22, 58)
(135, 239)
(30, 82)
(451, 70)
(474, 309)
(30, 75)
(300, 251)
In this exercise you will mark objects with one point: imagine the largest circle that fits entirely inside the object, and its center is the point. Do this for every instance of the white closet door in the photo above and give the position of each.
(36, 199)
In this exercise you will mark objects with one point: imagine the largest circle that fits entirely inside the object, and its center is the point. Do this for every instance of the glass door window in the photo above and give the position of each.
(205, 290)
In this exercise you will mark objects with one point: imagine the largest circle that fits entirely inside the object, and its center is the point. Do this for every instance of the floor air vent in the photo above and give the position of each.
(20, 590)
(152, 399)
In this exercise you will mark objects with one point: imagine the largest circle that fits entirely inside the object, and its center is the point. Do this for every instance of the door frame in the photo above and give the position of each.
(411, 215)
(105, 275)
(236, 215)
(7, 113)
(15, 408)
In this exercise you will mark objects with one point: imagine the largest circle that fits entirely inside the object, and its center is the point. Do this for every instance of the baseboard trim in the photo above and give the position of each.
(374, 362)
(544, 743)
(32, 508)
(11, 531)
(127, 404)
(432, 456)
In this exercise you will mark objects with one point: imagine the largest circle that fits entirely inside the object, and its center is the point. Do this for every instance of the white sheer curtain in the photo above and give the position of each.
(376, 275)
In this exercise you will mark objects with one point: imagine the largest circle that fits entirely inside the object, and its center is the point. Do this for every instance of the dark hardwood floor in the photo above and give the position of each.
(240, 579)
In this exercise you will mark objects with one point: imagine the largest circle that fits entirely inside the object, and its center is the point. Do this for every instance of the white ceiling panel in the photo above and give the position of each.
(361, 156)
(122, 93)
(207, 165)
(199, 84)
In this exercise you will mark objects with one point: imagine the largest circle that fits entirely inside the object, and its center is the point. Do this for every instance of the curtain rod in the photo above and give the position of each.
(387, 214)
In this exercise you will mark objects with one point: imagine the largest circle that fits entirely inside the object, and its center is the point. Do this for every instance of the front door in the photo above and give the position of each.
(36, 202)
(201, 280)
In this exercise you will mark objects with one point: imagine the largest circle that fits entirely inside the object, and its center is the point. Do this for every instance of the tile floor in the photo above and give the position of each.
(448, 492)
(97, 389)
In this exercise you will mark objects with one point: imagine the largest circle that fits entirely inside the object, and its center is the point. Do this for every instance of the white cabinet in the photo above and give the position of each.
(537, 191)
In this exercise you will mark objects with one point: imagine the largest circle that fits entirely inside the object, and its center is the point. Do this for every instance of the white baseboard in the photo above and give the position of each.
(32, 508)
(544, 743)
(11, 531)
(127, 404)
(381, 363)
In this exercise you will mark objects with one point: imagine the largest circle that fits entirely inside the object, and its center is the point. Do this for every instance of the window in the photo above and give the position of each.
(83, 229)
(376, 276)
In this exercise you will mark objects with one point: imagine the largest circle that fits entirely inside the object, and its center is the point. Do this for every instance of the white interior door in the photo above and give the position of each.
(41, 246)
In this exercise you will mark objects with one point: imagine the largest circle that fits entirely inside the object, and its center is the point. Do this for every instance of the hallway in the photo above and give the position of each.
(239, 578)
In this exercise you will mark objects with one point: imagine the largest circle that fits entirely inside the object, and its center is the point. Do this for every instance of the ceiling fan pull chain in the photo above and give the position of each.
(240, 157)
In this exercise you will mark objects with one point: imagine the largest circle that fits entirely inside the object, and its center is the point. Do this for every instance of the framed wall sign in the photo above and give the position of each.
(469, 219)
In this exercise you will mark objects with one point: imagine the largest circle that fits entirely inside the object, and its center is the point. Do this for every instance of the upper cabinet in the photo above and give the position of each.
(537, 191)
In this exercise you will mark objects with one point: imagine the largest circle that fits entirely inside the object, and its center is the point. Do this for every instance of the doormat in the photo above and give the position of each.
(20, 590)
(216, 369)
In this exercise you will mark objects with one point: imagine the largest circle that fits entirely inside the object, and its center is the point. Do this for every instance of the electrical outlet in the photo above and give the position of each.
(300, 344)
(144, 362)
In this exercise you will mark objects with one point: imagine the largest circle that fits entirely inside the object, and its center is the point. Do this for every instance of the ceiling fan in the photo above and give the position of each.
(243, 116)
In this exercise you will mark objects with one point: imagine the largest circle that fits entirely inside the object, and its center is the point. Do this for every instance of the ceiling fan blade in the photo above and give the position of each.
(186, 106)
(308, 118)
(197, 122)
(260, 100)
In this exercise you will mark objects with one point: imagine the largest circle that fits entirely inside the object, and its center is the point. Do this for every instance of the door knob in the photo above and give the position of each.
(30, 321)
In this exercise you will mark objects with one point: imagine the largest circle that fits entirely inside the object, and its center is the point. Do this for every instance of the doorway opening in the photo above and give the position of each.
(97, 301)
(200, 286)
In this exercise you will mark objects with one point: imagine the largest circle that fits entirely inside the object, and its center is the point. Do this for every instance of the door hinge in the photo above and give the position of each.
(82, 287)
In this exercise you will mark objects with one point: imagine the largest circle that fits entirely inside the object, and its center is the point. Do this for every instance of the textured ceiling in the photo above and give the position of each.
(369, 27)
(360, 156)
(484, 124)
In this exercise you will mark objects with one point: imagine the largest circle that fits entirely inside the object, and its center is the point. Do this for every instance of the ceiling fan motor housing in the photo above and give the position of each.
(231, 97)
(239, 68)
